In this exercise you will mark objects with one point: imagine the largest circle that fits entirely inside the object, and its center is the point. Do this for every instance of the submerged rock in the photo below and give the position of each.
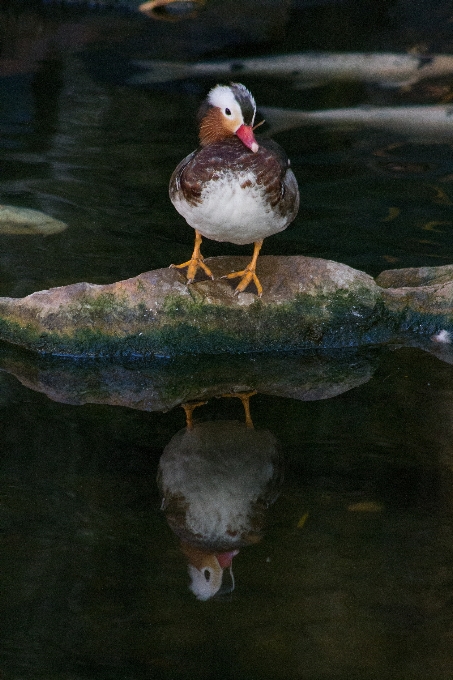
(307, 303)
(14, 220)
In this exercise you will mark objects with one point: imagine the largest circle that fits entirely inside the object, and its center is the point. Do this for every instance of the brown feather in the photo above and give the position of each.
(269, 166)
(212, 128)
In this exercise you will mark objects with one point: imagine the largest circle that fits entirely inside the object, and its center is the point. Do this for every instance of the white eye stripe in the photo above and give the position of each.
(236, 104)
(222, 96)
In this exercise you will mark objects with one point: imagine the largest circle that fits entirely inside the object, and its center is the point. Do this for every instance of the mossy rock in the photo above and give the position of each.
(421, 298)
(307, 303)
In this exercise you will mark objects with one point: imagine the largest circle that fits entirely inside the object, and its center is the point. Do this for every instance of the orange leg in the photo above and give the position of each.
(248, 274)
(189, 407)
(245, 398)
(195, 261)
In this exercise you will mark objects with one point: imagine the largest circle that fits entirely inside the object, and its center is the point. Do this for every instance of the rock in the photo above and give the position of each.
(421, 298)
(21, 221)
(413, 277)
(307, 303)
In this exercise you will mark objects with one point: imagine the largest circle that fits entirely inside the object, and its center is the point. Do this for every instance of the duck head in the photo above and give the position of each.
(210, 573)
(228, 110)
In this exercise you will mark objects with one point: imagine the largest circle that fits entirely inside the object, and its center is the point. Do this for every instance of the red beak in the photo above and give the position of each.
(245, 134)
(225, 559)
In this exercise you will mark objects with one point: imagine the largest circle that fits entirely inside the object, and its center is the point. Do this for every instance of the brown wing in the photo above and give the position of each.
(275, 174)
(177, 181)
(269, 168)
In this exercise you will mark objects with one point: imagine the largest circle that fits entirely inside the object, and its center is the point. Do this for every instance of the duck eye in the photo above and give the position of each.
(207, 574)
(227, 112)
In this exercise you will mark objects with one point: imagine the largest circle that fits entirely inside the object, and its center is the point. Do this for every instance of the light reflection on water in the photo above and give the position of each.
(351, 577)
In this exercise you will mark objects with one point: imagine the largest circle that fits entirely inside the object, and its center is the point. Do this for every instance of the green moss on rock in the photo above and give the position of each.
(307, 304)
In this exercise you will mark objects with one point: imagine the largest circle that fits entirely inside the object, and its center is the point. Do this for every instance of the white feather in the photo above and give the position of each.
(223, 98)
(231, 212)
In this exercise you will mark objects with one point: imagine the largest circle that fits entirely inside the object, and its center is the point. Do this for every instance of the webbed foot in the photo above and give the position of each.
(196, 262)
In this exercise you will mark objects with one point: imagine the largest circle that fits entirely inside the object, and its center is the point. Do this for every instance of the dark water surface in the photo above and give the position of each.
(348, 569)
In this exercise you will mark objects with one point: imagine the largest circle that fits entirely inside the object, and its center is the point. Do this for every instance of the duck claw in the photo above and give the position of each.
(193, 265)
(248, 276)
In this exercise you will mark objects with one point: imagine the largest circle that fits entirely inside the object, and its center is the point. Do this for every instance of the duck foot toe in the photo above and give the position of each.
(192, 267)
(248, 275)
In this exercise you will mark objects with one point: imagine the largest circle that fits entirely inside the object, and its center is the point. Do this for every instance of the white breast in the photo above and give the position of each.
(233, 208)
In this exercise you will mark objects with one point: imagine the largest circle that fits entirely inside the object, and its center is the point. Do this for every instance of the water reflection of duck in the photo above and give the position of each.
(232, 188)
(217, 479)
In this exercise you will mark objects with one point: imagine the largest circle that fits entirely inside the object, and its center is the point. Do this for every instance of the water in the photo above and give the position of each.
(347, 571)
(94, 583)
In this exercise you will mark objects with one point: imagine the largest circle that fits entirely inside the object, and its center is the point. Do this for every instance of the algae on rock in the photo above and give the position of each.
(307, 303)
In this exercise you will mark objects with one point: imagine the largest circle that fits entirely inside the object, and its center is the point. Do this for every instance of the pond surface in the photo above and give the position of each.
(344, 569)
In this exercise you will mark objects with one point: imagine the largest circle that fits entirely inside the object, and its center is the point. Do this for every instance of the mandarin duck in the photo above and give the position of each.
(216, 480)
(232, 188)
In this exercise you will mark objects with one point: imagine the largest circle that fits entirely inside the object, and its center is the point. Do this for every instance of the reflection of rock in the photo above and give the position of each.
(161, 385)
(307, 303)
(14, 220)
(171, 10)
(320, 67)
(217, 479)
(441, 349)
